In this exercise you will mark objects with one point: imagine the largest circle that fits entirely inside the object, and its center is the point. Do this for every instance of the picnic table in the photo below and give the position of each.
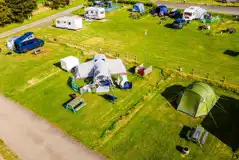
(75, 104)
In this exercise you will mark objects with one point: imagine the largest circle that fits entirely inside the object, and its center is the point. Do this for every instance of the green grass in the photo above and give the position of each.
(6, 153)
(39, 16)
(153, 131)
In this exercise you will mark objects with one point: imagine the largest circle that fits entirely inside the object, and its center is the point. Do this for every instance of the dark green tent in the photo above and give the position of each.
(197, 99)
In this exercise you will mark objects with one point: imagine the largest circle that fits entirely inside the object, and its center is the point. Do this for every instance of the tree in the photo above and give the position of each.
(21, 9)
(55, 4)
(5, 14)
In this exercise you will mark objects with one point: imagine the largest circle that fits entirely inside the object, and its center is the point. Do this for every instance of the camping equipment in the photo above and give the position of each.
(138, 7)
(74, 85)
(123, 82)
(24, 43)
(175, 13)
(204, 27)
(143, 71)
(179, 23)
(198, 135)
(209, 19)
(69, 22)
(68, 63)
(110, 97)
(75, 104)
(161, 10)
(194, 12)
(185, 151)
(197, 99)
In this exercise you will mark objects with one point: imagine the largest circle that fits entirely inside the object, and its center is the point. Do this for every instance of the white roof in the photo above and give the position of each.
(94, 9)
(70, 59)
(69, 18)
(191, 9)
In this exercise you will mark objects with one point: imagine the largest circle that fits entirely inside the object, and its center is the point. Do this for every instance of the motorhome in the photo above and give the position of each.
(194, 12)
(95, 13)
(69, 22)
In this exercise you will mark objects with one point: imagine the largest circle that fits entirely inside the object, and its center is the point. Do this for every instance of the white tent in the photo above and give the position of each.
(69, 22)
(69, 62)
(95, 13)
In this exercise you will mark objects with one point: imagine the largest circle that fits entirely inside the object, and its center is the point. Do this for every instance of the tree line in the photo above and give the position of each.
(16, 11)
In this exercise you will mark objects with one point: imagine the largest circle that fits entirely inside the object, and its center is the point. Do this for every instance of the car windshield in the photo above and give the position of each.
(188, 14)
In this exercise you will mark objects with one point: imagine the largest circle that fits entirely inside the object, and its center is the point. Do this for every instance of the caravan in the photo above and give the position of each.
(95, 13)
(69, 22)
(194, 12)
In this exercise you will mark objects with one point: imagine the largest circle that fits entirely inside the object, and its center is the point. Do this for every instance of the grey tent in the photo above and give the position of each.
(197, 99)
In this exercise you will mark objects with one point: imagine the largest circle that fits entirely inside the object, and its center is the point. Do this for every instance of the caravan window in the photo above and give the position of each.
(58, 22)
(64, 21)
(69, 23)
(188, 14)
(102, 12)
(92, 12)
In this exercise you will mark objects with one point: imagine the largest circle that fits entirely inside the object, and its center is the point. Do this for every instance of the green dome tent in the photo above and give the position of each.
(197, 99)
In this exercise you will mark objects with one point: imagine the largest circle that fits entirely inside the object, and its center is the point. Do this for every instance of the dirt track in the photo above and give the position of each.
(33, 138)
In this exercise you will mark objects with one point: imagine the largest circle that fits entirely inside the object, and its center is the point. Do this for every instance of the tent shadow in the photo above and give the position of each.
(227, 120)
(132, 69)
(183, 133)
(231, 53)
(172, 93)
(168, 25)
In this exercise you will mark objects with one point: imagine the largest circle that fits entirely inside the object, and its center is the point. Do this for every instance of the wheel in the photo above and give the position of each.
(25, 50)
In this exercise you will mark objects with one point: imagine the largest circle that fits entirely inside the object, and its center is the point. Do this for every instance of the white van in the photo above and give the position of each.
(95, 13)
(194, 12)
(69, 22)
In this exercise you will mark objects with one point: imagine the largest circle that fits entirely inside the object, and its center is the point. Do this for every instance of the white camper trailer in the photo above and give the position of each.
(69, 22)
(194, 12)
(95, 13)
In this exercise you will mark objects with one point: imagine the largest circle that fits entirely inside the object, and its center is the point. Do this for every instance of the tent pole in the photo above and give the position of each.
(213, 119)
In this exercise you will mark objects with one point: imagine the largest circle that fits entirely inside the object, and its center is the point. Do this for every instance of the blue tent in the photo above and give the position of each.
(161, 10)
(138, 7)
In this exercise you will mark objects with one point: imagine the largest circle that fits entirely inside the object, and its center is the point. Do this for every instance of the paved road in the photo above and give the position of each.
(217, 9)
(33, 138)
(39, 22)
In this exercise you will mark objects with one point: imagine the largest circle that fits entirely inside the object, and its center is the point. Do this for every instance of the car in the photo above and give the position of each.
(179, 23)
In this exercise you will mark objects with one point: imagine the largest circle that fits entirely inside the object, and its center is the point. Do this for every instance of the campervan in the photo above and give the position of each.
(69, 22)
(194, 12)
(95, 13)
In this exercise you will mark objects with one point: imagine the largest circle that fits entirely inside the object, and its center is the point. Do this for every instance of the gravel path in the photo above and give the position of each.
(33, 138)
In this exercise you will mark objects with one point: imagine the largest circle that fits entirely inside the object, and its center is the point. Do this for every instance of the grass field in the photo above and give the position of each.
(142, 124)
(6, 153)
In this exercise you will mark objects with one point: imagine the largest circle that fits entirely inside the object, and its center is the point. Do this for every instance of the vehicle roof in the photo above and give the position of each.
(94, 9)
(191, 9)
(69, 18)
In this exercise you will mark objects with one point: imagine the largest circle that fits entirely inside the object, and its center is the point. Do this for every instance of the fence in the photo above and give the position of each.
(133, 59)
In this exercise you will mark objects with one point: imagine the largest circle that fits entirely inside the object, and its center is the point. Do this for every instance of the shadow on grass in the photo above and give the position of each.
(231, 53)
(168, 25)
(172, 94)
(227, 120)
(58, 65)
(132, 69)
(183, 133)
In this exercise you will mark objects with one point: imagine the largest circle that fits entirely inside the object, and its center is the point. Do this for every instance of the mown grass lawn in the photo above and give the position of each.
(6, 153)
(151, 130)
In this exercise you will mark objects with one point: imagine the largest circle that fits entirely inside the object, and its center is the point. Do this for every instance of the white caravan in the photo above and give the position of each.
(95, 13)
(69, 22)
(194, 12)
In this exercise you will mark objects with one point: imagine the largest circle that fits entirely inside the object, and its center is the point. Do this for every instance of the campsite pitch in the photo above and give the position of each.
(142, 124)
